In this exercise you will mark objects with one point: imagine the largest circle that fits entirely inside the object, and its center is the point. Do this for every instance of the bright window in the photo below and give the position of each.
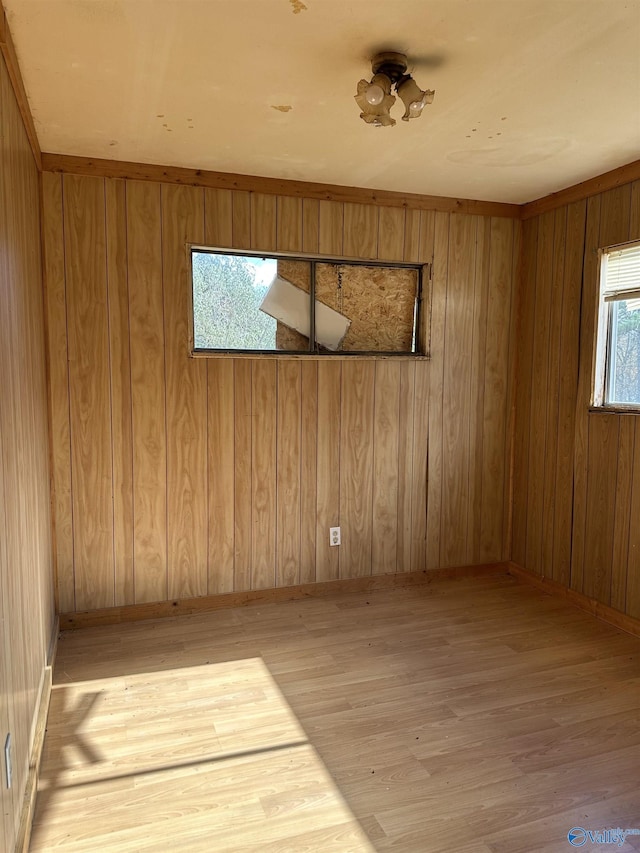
(278, 304)
(617, 377)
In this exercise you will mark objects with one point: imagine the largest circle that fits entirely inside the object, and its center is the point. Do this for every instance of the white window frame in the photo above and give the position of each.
(608, 295)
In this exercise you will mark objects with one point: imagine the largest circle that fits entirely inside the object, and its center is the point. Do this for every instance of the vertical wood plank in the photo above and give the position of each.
(186, 392)
(405, 464)
(288, 516)
(263, 474)
(218, 218)
(331, 228)
(243, 532)
(411, 250)
(90, 404)
(360, 230)
(328, 467)
(553, 390)
(289, 224)
(221, 468)
(567, 391)
(241, 219)
(583, 396)
(419, 483)
(632, 597)
(456, 452)
(385, 467)
(120, 360)
(56, 311)
(391, 227)
(144, 237)
(356, 463)
(308, 471)
(438, 310)
(310, 226)
(622, 512)
(539, 393)
(481, 276)
(496, 377)
(263, 222)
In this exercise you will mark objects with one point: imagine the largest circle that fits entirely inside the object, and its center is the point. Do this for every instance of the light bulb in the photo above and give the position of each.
(374, 94)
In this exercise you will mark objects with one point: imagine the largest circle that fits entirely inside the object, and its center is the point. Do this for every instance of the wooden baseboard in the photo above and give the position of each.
(590, 605)
(31, 790)
(163, 609)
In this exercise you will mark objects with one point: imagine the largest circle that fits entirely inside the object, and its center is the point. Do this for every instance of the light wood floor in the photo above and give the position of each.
(467, 716)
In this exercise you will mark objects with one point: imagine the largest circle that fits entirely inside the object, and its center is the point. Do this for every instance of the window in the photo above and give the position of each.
(617, 373)
(280, 304)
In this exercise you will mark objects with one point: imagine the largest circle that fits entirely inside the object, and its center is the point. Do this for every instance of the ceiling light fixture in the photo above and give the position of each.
(374, 96)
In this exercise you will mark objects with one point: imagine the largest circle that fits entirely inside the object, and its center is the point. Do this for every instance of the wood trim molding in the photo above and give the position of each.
(163, 609)
(271, 186)
(601, 183)
(590, 605)
(8, 52)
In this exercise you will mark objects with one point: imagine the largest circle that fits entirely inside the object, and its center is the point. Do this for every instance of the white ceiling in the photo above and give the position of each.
(531, 95)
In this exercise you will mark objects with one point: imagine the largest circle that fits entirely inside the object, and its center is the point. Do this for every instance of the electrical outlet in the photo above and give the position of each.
(7, 760)
(334, 536)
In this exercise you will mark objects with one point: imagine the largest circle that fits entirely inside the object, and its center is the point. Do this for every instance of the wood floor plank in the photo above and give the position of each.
(360, 722)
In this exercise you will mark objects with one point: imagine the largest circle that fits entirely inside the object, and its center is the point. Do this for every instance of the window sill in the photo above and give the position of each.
(615, 410)
(340, 356)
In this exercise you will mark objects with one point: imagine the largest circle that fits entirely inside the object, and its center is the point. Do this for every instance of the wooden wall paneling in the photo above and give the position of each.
(412, 237)
(361, 230)
(634, 213)
(385, 467)
(600, 506)
(553, 390)
(406, 404)
(218, 218)
(56, 312)
(186, 395)
(420, 412)
(220, 474)
(583, 396)
(567, 390)
(495, 398)
(263, 222)
(89, 382)
(263, 474)
(476, 411)
(243, 530)
(289, 224)
(436, 378)
(356, 466)
(331, 228)
(622, 511)
(391, 226)
(456, 391)
(120, 364)
(604, 434)
(288, 468)
(310, 226)
(524, 351)
(241, 219)
(507, 507)
(632, 590)
(539, 394)
(328, 558)
(148, 403)
(308, 471)
(420, 467)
